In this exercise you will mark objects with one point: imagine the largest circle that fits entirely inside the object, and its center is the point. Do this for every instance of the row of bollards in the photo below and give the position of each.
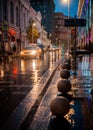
(60, 105)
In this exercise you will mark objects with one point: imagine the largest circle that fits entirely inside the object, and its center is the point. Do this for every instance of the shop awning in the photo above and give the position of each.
(12, 31)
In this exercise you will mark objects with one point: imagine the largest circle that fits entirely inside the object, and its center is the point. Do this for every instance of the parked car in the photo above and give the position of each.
(41, 46)
(31, 51)
(53, 48)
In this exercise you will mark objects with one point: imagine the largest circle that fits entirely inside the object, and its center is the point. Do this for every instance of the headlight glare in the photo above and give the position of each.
(21, 52)
(33, 52)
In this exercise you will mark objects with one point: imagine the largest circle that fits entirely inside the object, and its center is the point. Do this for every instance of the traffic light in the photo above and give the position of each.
(73, 32)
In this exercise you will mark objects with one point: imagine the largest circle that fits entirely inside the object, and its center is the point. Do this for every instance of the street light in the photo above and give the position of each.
(67, 1)
(33, 25)
(56, 40)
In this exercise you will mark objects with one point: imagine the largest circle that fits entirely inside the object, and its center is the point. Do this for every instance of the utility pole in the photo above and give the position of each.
(75, 40)
(20, 34)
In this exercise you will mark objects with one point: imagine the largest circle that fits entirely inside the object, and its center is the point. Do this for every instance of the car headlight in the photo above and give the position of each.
(21, 52)
(33, 52)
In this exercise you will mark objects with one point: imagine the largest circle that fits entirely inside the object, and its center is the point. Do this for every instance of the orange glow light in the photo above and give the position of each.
(12, 32)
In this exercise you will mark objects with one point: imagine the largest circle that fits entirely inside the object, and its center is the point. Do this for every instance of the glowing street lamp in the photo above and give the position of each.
(33, 25)
(67, 2)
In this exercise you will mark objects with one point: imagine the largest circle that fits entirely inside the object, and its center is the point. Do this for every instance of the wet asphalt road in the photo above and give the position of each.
(83, 82)
(18, 77)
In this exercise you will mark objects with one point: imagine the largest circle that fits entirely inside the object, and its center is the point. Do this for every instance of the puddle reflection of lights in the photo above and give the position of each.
(22, 65)
(72, 111)
(36, 76)
(70, 114)
(2, 73)
(15, 71)
(34, 65)
(52, 55)
(35, 71)
(67, 54)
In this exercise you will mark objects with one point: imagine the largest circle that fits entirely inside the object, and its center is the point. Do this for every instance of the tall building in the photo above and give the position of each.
(14, 20)
(92, 21)
(46, 7)
(3, 24)
(13, 23)
(85, 34)
(61, 34)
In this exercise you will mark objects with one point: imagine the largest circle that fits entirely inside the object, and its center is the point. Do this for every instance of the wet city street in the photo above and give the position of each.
(25, 94)
(18, 77)
(46, 64)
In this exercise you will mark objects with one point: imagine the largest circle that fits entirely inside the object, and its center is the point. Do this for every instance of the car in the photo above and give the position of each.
(41, 46)
(31, 51)
(53, 48)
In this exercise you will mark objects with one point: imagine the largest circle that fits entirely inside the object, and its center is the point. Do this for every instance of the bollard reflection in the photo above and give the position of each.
(1, 70)
(66, 95)
(2, 73)
(59, 123)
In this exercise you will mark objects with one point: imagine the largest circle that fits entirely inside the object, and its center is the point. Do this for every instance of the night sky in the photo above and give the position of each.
(61, 7)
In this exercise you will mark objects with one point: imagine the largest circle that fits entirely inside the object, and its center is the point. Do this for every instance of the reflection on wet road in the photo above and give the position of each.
(82, 85)
(82, 116)
(18, 77)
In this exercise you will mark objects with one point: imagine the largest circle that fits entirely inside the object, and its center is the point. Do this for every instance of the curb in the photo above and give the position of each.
(43, 114)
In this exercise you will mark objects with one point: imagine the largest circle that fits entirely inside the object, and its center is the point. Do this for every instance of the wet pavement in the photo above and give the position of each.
(80, 116)
(18, 77)
(29, 96)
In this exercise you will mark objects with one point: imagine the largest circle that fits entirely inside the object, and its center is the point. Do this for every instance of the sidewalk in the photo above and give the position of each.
(43, 114)
(79, 117)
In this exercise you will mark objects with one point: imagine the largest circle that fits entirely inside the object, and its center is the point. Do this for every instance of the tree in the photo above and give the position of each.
(32, 32)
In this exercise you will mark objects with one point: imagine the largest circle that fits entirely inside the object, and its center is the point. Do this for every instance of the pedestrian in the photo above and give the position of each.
(14, 50)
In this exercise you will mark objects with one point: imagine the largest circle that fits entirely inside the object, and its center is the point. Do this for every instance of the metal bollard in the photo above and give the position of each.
(64, 86)
(65, 74)
(59, 106)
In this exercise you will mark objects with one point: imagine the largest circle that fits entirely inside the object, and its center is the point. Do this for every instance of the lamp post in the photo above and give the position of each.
(68, 30)
(33, 25)
(56, 41)
(67, 1)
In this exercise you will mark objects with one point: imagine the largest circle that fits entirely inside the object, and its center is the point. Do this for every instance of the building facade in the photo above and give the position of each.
(85, 34)
(61, 34)
(37, 18)
(13, 20)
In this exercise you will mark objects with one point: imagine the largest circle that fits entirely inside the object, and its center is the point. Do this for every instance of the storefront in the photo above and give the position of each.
(14, 39)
